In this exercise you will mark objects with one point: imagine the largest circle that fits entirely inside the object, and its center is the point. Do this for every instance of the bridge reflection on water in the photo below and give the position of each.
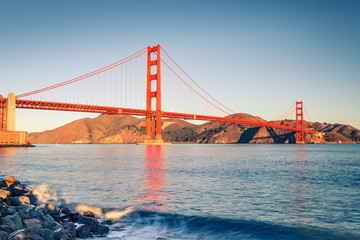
(154, 177)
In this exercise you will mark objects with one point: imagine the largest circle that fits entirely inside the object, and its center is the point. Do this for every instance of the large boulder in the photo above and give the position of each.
(17, 190)
(47, 234)
(26, 208)
(100, 230)
(4, 194)
(32, 197)
(23, 234)
(11, 180)
(51, 209)
(6, 228)
(16, 201)
(83, 232)
(66, 211)
(75, 217)
(33, 223)
(3, 209)
(3, 184)
(24, 215)
(11, 210)
(4, 235)
(88, 221)
(95, 227)
(38, 214)
(59, 232)
(50, 223)
(14, 221)
(70, 229)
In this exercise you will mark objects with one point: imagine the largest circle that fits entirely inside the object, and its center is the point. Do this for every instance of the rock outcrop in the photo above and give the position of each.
(22, 218)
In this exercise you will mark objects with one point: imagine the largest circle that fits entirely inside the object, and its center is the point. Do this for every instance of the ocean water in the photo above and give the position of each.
(203, 191)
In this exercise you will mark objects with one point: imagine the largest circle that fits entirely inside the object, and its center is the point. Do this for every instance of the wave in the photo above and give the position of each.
(141, 224)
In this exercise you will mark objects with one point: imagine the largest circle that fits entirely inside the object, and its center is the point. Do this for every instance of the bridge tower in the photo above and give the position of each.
(7, 112)
(299, 123)
(153, 92)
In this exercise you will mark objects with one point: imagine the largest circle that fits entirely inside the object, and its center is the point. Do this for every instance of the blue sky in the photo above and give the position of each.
(257, 57)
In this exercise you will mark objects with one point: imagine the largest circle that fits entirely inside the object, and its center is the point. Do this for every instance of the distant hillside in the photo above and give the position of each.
(128, 129)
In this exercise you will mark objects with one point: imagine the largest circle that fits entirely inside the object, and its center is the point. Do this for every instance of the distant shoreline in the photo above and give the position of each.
(177, 143)
(18, 145)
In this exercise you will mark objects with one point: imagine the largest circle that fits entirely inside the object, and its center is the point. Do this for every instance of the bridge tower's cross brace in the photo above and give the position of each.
(153, 91)
(299, 122)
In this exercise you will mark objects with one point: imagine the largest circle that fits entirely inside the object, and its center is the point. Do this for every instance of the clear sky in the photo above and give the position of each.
(257, 57)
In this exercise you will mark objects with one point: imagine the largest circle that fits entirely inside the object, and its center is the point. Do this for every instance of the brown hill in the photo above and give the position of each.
(128, 129)
(103, 129)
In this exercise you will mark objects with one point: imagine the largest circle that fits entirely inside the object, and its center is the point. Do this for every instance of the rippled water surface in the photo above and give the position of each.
(204, 191)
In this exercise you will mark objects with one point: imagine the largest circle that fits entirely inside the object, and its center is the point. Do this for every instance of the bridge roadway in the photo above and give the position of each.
(42, 105)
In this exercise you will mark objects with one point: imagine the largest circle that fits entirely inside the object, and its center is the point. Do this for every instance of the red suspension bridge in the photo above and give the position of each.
(148, 83)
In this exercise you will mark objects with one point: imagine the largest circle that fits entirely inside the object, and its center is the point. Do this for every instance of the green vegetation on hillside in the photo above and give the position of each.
(187, 134)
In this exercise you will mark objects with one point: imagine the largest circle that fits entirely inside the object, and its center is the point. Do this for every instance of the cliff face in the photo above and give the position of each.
(128, 129)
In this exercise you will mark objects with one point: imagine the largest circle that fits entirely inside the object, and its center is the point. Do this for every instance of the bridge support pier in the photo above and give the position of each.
(8, 135)
(299, 123)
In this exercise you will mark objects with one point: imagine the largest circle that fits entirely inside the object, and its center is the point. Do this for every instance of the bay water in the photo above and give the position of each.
(203, 191)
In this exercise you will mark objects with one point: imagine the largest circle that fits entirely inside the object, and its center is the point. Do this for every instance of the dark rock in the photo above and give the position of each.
(11, 210)
(50, 223)
(32, 198)
(89, 214)
(14, 221)
(26, 234)
(83, 232)
(107, 222)
(16, 190)
(70, 230)
(66, 211)
(64, 218)
(4, 235)
(11, 180)
(14, 201)
(91, 222)
(75, 217)
(26, 208)
(47, 234)
(100, 230)
(95, 227)
(59, 233)
(3, 183)
(4, 194)
(3, 210)
(6, 228)
(88, 221)
(52, 211)
(33, 223)
(24, 215)
(38, 214)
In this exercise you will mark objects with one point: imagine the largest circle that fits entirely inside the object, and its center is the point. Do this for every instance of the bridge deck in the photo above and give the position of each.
(42, 105)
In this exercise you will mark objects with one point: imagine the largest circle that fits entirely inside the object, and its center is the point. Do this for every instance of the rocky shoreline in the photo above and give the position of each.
(21, 217)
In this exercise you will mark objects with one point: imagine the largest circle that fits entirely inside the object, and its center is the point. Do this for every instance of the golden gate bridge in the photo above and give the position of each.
(147, 83)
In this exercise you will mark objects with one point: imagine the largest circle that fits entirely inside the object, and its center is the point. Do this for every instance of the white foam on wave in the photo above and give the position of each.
(44, 193)
(155, 227)
(118, 214)
(85, 208)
